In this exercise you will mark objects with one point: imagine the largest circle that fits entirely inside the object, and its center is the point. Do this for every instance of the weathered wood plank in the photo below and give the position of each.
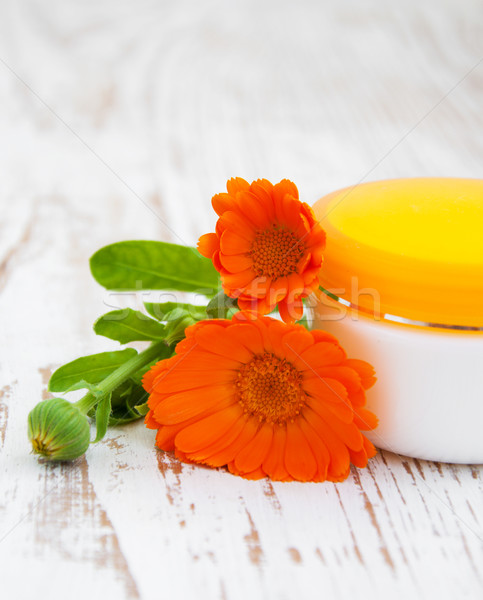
(119, 121)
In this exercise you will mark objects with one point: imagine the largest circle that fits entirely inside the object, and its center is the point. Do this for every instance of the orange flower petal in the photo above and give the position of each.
(222, 202)
(177, 381)
(237, 184)
(358, 458)
(235, 262)
(237, 281)
(210, 454)
(253, 209)
(347, 376)
(364, 370)
(290, 210)
(274, 463)
(208, 244)
(369, 447)
(177, 408)
(299, 460)
(295, 342)
(276, 331)
(263, 190)
(364, 419)
(167, 434)
(340, 410)
(232, 243)
(323, 336)
(254, 453)
(201, 358)
(154, 399)
(260, 306)
(254, 475)
(150, 376)
(207, 430)
(316, 257)
(281, 189)
(247, 335)
(291, 311)
(191, 331)
(237, 223)
(317, 238)
(302, 265)
(310, 275)
(339, 454)
(219, 341)
(278, 289)
(303, 229)
(348, 433)
(296, 284)
(319, 450)
(357, 398)
(165, 437)
(265, 184)
(338, 478)
(326, 389)
(262, 326)
(320, 355)
(258, 287)
(150, 421)
(227, 454)
(216, 261)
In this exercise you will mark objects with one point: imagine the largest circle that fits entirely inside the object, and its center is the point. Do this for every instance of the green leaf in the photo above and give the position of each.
(160, 310)
(142, 409)
(221, 306)
(176, 325)
(128, 403)
(103, 411)
(128, 400)
(127, 325)
(145, 265)
(125, 401)
(88, 370)
(304, 322)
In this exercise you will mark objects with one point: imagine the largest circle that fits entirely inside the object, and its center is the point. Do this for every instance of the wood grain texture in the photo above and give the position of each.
(120, 120)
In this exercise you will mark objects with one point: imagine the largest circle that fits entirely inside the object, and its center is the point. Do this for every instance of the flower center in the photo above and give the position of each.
(270, 389)
(276, 252)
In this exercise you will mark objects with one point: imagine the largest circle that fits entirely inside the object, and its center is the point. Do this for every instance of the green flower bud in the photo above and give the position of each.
(58, 430)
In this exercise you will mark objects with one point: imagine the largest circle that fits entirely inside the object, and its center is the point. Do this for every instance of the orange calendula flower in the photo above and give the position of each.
(267, 247)
(263, 398)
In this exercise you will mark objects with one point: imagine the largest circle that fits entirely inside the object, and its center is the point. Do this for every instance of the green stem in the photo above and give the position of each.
(330, 294)
(112, 381)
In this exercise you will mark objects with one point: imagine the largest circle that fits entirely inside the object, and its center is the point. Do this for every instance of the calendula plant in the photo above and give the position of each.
(59, 430)
(222, 384)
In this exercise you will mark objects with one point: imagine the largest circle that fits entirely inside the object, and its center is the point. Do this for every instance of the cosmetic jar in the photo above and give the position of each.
(402, 288)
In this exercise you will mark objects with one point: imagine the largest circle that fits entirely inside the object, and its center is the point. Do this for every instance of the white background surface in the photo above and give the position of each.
(120, 120)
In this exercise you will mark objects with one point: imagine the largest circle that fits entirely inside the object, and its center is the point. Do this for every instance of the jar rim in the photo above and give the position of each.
(398, 320)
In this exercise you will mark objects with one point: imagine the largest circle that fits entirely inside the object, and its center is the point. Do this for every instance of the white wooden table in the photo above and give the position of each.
(119, 120)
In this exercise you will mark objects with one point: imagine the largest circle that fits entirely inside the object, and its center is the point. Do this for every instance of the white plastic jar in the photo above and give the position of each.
(403, 281)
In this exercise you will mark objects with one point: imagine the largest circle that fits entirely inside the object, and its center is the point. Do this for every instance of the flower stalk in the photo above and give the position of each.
(59, 430)
(121, 374)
